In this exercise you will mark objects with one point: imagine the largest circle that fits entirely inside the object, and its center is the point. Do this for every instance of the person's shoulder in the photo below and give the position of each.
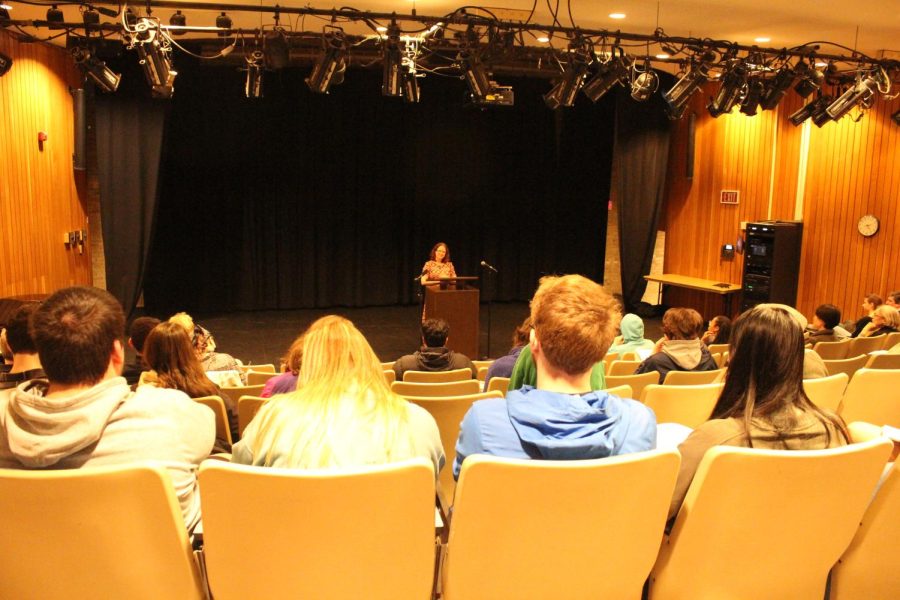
(163, 401)
(719, 432)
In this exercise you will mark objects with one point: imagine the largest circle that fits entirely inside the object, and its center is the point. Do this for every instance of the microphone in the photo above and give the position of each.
(487, 266)
(419, 276)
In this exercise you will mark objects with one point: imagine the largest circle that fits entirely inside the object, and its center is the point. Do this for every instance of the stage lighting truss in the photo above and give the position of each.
(256, 64)
(153, 48)
(95, 70)
(330, 67)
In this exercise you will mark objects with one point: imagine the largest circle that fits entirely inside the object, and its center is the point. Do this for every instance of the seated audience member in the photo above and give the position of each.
(869, 304)
(632, 338)
(825, 326)
(137, 333)
(503, 366)
(885, 319)
(5, 353)
(434, 355)
(86, 415)
(225, 369)
(718, 331)
(763, 404)
(893, 299)
(813, 365)
(286, 382)
(342, 414)
(681, 348)
(26, 363)
(561, 419)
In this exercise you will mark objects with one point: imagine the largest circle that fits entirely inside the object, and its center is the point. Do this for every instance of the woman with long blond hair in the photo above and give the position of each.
(342, 413)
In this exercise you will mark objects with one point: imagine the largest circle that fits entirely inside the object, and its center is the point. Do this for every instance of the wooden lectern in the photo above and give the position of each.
(455, 301)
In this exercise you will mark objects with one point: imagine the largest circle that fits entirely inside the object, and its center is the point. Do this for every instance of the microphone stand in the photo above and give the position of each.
(490, 297)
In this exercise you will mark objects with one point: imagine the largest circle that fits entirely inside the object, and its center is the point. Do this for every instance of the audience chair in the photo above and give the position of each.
(264, 368)
(631, 356)
(883, 361)
(388, 365)
(390, 375)
(608, 359)
(873, 396)
(864, 345)
(868, 568)
(832, 350)
(259, 377)
(847, 365)
(448, 413)
(498, 384)
(529, 529)
(692, 377)
(826, 392)
(365, 532)
(891, 340)
(717, 348)
(436, 390)
(622, 391)
(231, 394)
(766, 523)
(482, 363)
(482, 374)
(437, 376)
(223, 430)
(101, 532)
(637, 382)
(623, 367)
(248, 406)
(720, 361)
(689, 405)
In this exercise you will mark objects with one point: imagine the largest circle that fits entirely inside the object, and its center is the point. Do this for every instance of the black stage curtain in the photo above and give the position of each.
(299, 200)
(129, 140)
(641, 154)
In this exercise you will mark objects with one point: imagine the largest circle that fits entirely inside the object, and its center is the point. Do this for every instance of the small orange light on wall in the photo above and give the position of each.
(42, 137)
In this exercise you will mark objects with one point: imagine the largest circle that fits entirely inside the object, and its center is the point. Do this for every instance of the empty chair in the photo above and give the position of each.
(847, 365)
(864, 345)
(622, 391)
(247, 407)
(498, 384)
(437, 376)
(826, 392)
(623, 367)
(231, 394)
(482, 373)
(523, 529)
(891, 340)
(388, 365)
(717, 348)
(692, 377)
(448, 413)
(223, 431)
(432, 390)
(390, 375)
(868, 567)
(832, 350)
(108, 532)
(766, 523)
(630, 356)
(873, 396)
(637, 382)
(482, 363)
(689, 405)
(883, 361)
(258, 377)
(264, 368)
(337, 533)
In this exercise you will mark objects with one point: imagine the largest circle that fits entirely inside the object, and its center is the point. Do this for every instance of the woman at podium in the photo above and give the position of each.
(438, 265)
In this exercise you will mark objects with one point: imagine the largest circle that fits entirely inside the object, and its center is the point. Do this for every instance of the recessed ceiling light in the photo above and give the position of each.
(5, 6)
(381, 29)
(762, 40)
(662, 55)
(819, 63)
(616, 15)
(543, 39)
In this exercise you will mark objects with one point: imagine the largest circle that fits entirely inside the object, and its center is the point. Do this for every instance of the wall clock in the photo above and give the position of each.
(868, 225)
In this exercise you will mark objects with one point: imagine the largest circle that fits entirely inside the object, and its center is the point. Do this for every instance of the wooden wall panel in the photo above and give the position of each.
(39, 198)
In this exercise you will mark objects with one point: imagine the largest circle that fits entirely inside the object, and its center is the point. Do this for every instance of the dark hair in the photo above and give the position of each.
(169, 352)
(874, 299)
(140, 328)
(522, 333)
(765, 375)
(682, 324)
(895, 296)
(74, 331)
(724, 334)
(829, 314)
(435, 332)
(446, 247)
(17, 335)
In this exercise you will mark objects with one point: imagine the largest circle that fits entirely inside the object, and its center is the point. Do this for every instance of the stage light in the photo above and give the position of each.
(814, 107)
(698, 74)
(255, 65)
(5, 64)
(476, 76)
(730, 91)
(96, 70)
(90, 17)
(607, 75)
(55, 16)
(223, 21)
(410, 86)
(277, 50)
(645, 83)
(750, 103)
(391, 82)
(331, 66)
(777, 87)
(563, 93)
(810, 80)
(862, 92)
(177, 20)
(153, 53)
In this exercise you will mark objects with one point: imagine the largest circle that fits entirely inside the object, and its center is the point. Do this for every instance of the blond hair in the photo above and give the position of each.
(341, 384)
(575, 320)
(889, 314)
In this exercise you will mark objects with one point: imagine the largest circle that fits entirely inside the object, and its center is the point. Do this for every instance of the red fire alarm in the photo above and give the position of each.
(42, 137)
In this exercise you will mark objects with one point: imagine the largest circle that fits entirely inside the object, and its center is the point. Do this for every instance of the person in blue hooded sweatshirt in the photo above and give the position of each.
(574, 322)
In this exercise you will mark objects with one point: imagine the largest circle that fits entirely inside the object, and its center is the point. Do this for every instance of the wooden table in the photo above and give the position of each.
(726, 290)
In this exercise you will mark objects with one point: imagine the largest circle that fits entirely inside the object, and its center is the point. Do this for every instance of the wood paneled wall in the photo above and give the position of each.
(851, 171)
(39, 197)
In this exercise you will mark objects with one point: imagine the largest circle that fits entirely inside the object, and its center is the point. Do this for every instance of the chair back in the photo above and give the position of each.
(524, 529)
(883, 361)
(868, 568)
(750, 515)
(388, 365)
(864, 345)
(498, 384)
(107, 532)
(437, 390)
(637, 382)
(482, 363)
(631, 356)
(689, 405)
(873, 396)
(437, 376)
(717, 348)
(258, 377)
(366, 532)
(264, 368)
(847, 365)
(891, 340)
(622, 391)
(482, 374)
(692, 377)
(623, 367)
(833, 350)
(223, 431)
(390, 376)
(826, 392)
(248, 406)
(448, 413)
(231, 394)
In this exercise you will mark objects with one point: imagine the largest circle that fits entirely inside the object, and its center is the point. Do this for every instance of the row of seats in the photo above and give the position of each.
(755, 524)
(856, 346)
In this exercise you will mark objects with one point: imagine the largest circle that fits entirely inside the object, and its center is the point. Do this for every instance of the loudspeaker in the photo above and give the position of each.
(79, 157)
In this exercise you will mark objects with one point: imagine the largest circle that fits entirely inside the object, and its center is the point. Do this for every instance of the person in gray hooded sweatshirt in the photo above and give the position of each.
(681, 348)
(574, 323)
(632, 338)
